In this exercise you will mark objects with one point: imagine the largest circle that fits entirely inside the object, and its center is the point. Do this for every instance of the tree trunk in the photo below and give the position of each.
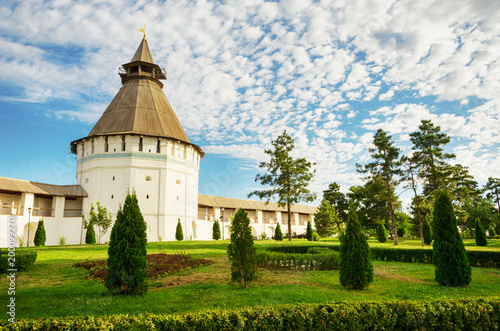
(289, 222)
(391, 210)
(418, 211)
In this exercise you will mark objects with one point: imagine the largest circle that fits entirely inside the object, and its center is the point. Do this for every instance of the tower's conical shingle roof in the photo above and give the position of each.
(140, 106)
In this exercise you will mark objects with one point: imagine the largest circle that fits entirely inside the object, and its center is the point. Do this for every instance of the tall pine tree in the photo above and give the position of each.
(127, 250)
(386, 166)
(278, 235)
(90, 235)
(309, 231)
(452, 267)
(325, 219)
(480, 234)
(288, 177)
(356, 270)
(178, 231)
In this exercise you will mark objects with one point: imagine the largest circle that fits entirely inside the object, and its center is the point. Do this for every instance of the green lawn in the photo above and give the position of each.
(55, 288)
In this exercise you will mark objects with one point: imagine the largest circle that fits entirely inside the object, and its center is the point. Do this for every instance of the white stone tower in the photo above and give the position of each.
(138, 143)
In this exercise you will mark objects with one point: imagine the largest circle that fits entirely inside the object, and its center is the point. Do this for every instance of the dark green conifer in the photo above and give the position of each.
(381, 233)
(178, 231)
(480, 234)
(127, 250)
(241, 250)
(452, 267)
(90, 235)
(216, 230)
(356, 270)
(426, 231)
(40, 236)
(309, 232)
(278, 235)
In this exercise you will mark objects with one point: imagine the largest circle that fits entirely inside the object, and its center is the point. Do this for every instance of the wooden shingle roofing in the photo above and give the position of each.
(213, 201)
(25, 186)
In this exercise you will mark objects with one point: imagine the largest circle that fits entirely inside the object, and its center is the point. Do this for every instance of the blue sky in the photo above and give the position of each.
(240, 72)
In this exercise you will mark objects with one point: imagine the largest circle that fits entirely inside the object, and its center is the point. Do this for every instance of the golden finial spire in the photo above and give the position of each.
(143, 30)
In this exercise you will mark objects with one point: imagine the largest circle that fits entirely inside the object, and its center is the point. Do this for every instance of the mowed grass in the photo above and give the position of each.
(56, 288)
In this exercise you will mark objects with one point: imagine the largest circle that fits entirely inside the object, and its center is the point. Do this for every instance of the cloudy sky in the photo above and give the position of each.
(241, 71)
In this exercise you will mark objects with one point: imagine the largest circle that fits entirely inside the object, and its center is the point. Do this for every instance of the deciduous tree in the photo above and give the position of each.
(288, 177)
(102, 219)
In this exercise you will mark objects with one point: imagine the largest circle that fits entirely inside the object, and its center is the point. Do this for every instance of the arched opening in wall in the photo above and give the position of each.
(148, 178)
(193, 224)
(123, 143)
(92, 151)
(158, 145)
(86, 180)
(140, 144)
(178, 182)
(112, 196)
(147, 196)
(106, 145)
(113, 178)
(254, 233)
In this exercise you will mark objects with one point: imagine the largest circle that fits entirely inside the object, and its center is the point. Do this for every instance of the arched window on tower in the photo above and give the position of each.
(106, 145)
(158, 145)
(140, 144)
(123, 143)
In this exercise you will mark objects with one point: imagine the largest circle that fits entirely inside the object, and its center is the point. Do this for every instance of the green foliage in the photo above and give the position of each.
(62, 240)
(385, 168)
(90, 235)
(450, 258)
(102, 219)
(287, 177)
(23, 261)
(381, 233)
(325, 219)
(326, 260)
(427, 144)
(468, 314)
(480, 234)
(278, 235)
(356, 270)
(309, 231)
(127, 250)
(338, 200)
(241, 250)
(427, 232)
(316, 236)
(216, 230)
(40, 236)
(263, 236)
(491, 231)
(179, 236)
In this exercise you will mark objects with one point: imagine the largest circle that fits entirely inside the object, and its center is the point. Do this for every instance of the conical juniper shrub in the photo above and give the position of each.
(90, 235)
(480, 234)
(127, 250)
(381, 233)
(178, 231)
(452, 267)
(309, 232)
(278, 235)
(216, 230)
(426, 231)
(241, 251)
(356, 270)
(40, 236)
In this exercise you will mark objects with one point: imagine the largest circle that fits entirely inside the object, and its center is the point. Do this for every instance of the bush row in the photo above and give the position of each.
(490, 259)
(470, 314)
(294, 261)
(23, 261)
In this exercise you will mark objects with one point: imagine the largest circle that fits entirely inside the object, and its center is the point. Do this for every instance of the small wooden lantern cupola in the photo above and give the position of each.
(142, 66)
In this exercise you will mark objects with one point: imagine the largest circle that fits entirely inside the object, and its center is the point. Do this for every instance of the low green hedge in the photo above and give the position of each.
(490, 259)
(469, 314)
(294, 261)
(23, 260)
